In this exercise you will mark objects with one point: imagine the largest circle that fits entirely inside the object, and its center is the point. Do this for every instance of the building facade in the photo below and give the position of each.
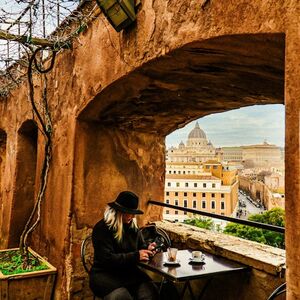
(197, 149)
(263, 155)
(209, 187)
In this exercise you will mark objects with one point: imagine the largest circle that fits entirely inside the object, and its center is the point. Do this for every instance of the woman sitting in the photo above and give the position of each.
(117, 250)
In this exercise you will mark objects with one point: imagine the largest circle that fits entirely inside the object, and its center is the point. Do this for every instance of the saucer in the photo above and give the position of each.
(171, 263)
(197, 261)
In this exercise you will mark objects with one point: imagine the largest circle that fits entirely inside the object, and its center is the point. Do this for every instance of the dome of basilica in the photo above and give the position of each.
(197, 133)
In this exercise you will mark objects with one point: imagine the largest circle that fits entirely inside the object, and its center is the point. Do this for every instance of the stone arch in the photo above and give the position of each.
(3, 141)
(197, 79)
(25, 179)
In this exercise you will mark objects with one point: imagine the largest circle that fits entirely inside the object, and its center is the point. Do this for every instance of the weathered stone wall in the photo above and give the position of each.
(115, 96)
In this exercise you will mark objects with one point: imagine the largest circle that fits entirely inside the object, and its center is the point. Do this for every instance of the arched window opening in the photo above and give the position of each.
(241, 162)
(3, 138)
(25, 179)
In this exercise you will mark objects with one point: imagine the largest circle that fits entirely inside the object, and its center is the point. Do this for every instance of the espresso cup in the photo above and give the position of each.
(197, 255)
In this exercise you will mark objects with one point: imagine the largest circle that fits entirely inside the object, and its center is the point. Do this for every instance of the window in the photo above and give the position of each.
(213, 185)
(174, 172)
(206, 167)
(170, 172)
(176, 193)
(215, 167)
(169, 183)
(222, 205)
(195, 184)
(194, 194)
(176, 202)
(203, 195)
(167, 193)
(203, 204)
(204, 185)
(213, 195)
(194, 204)
(185, 213)
(186, 184)
(185, 194)
(183, 172)
(176, 212)
(177, 184)
(213, 204)
(167, 212)
(222, 195)
(185, 203)
(179, 172)
(168, 201)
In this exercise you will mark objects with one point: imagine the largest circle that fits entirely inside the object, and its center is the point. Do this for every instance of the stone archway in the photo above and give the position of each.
(132, 116)
(195, 80)
(120, 134)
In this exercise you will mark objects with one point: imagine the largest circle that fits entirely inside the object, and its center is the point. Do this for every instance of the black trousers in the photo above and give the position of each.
(143, 291)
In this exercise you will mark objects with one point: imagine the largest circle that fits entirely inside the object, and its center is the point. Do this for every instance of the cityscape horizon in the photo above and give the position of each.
(240, 127)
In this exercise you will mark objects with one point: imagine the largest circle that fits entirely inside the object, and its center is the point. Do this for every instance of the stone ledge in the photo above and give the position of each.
(262, 257)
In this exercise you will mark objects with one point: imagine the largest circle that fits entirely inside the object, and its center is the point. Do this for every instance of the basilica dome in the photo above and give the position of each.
(197, 133)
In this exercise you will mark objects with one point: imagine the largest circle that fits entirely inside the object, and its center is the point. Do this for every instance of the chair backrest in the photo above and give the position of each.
(151, 233)
(278, 291)
(87, 253)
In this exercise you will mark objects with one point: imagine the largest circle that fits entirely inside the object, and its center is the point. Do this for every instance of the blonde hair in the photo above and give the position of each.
(114, 221)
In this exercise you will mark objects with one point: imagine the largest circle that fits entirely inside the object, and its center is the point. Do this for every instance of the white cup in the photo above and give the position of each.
(197, 255)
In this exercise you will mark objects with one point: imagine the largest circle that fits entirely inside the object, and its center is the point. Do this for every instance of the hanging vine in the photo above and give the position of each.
(44, 118)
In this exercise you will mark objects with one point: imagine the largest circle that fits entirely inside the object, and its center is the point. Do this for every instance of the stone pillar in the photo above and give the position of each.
(292, 150)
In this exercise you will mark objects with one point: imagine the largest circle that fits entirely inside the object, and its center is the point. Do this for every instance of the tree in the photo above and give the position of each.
(206, 223)
(275, 216)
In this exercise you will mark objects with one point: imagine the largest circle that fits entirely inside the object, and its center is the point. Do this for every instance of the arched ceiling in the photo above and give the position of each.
(198, 79)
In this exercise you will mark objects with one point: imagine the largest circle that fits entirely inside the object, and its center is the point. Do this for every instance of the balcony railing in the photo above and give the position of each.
(221, 217)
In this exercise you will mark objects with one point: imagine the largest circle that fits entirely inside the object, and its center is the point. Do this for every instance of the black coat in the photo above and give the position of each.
(115, 263)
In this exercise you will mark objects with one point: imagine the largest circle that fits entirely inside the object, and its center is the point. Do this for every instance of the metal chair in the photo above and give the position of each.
(87, 256)
(87, 253)
(278, 291)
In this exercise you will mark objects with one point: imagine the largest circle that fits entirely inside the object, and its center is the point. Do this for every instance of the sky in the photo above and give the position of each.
(244, 126)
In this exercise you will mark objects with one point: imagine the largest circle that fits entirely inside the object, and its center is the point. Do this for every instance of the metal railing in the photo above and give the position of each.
(221, 217)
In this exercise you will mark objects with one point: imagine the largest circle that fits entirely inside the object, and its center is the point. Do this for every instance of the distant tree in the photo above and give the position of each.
(206, 223)
(275, 216)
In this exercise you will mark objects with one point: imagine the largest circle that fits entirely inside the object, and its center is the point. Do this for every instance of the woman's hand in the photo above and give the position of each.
(145, 254)
(152, 246)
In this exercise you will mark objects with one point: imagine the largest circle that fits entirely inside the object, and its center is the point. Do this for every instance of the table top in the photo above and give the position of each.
(214, 265)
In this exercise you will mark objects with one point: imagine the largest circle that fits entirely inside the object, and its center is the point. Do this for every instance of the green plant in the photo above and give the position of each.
(11, 262)
(275, 216)
(206, 223)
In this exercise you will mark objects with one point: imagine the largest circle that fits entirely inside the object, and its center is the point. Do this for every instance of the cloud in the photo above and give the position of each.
(244, 126)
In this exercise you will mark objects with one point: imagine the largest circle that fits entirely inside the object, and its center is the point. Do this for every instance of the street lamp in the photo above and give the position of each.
(120, 13)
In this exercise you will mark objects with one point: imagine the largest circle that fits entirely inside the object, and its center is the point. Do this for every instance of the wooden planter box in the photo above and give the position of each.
(37, 285)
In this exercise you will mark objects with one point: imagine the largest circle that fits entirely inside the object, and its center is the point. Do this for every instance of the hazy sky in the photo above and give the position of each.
(244, 126)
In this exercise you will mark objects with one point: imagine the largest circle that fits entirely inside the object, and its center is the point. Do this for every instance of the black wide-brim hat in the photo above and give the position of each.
(126, 202)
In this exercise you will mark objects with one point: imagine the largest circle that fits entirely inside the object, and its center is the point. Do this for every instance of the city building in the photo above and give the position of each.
(210, 187)
(197, 149)
(234, 154)
(262, 155)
